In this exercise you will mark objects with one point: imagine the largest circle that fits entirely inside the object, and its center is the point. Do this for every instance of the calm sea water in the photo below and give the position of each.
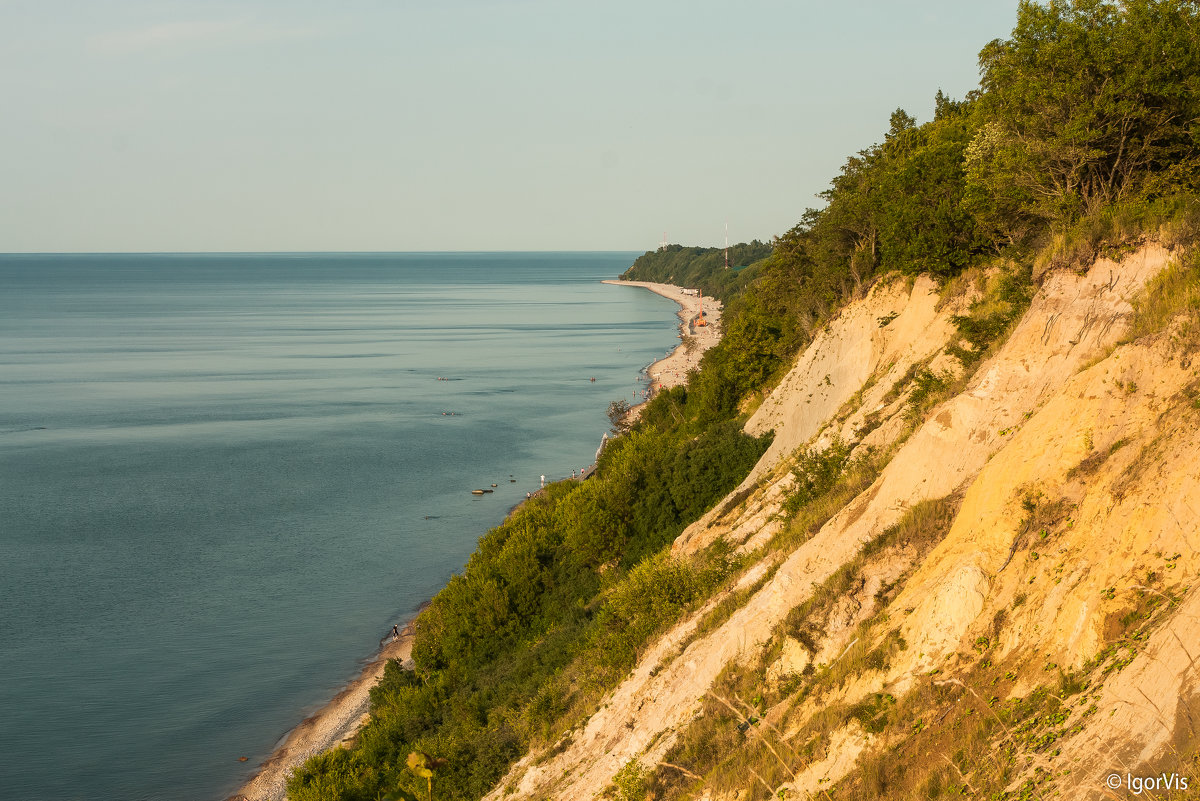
(223, 478)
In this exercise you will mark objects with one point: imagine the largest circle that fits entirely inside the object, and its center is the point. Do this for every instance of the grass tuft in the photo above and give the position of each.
(1172, 294)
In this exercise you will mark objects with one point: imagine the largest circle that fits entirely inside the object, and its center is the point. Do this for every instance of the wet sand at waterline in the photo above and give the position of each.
(334, 725)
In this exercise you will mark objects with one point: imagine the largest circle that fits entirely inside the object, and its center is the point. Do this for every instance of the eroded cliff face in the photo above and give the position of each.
(841, 378)
(1010, 592)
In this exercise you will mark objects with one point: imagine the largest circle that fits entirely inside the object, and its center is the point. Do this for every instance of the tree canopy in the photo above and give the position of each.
(1089, 103)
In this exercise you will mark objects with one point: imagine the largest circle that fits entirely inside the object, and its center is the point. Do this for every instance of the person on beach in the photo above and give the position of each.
(543, 482)
(395, 633)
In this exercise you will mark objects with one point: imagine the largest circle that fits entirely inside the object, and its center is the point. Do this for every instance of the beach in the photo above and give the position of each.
(672, 370)
(334, 725)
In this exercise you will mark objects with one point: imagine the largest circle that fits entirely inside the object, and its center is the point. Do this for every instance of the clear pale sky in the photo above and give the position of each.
(385, 125)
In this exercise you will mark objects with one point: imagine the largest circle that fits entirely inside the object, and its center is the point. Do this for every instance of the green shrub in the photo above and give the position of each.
(816, 472)
(630, 782)
(991, 317)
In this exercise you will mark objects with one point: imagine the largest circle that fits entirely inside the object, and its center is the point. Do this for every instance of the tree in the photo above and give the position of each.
(423, 765)
(618, 412)
(1088, 103)
(592, 532)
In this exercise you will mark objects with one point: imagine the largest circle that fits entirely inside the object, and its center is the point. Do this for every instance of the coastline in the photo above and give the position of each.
(337, 723)
(333, 725)
(672, 370)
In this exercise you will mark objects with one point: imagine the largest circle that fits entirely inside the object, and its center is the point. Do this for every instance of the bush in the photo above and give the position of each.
(654, 594)
(816, 472)
(1004, 301)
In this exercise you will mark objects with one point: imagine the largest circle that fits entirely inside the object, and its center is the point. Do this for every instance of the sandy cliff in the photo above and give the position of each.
(1012, 602)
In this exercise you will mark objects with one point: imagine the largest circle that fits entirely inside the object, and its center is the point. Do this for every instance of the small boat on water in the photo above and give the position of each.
(495, 485)
(478, 492)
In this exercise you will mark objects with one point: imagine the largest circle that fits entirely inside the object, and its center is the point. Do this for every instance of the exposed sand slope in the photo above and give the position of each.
(1113, 529)
(1072, 320)
(1133, 512)
(841, 358)
(879, 338)
(1116, 451)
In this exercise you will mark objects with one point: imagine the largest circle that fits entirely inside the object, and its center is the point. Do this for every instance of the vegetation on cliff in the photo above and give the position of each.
(1085, 133)
(700, 268)
(549, 612)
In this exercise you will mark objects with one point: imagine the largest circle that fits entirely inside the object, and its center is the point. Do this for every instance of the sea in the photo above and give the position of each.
(224, 477)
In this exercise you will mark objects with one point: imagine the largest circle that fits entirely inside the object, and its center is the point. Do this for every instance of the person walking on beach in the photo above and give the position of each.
(543, 482)
(395, 633)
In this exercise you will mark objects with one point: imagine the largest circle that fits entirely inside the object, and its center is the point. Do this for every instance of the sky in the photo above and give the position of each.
(390, 125)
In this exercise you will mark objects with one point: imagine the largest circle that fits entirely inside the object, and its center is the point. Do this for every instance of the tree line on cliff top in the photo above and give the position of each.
(1088, 113)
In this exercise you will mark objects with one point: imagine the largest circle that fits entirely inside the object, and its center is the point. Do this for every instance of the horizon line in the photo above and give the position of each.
(288, 252)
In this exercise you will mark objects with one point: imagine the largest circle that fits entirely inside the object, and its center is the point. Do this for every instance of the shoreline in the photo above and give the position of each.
(332, 726)
(337, 723)
(672, 370)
